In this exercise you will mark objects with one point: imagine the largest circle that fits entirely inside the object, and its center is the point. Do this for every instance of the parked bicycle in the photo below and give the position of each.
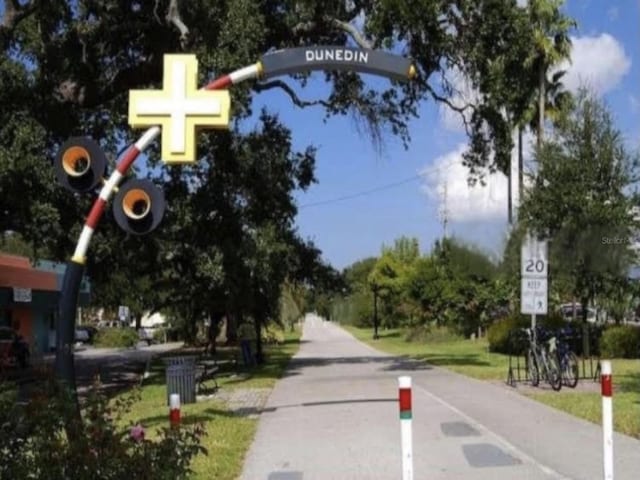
(541, 363)
(567, 360)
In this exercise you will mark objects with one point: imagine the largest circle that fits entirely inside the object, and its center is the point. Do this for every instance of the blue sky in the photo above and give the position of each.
(605, 54)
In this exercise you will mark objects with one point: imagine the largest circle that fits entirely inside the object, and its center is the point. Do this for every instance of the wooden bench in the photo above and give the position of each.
(206, 370)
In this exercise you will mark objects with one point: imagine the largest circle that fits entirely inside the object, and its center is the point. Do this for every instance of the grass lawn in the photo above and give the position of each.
(472, 358)
(626, 399)
(228, 436)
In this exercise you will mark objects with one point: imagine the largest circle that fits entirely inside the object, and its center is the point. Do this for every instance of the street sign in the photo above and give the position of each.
(123, 312)
(534, 296)
(534, 270)
(22, 295)
(534, 258)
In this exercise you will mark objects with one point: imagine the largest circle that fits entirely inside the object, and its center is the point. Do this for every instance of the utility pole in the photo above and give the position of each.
(375, 288)
(444, 211)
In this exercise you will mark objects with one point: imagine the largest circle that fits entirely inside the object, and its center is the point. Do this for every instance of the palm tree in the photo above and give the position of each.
(552, 45)
(558, 102)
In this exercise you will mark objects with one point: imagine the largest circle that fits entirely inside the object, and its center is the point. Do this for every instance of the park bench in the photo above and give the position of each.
(206, 369)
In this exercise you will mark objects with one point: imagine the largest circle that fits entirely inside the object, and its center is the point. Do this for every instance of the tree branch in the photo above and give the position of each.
(354, 33)
(357, 36)
(173, 16)
(259, 87)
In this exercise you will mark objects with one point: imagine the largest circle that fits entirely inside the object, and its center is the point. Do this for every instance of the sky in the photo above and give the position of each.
(363, 199)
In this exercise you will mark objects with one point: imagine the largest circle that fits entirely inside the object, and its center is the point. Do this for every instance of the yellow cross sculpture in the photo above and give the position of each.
(179, 108)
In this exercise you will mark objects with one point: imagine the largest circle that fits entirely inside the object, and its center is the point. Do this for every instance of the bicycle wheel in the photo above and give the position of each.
(554, 374)
(532, 369)
(570, 370)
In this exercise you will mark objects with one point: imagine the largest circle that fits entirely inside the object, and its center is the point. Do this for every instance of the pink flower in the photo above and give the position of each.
(137, 433)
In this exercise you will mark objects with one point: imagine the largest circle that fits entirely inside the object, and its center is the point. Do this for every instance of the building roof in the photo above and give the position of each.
(17, 272)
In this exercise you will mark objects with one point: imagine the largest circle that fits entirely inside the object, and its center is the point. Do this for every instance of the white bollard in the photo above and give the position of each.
(607, 418)
(174, 410)
(404, 384)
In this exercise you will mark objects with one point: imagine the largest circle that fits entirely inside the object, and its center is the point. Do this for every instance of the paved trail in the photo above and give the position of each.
(335, 416)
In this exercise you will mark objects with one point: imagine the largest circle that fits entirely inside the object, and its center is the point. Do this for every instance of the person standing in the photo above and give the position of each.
(246, 334)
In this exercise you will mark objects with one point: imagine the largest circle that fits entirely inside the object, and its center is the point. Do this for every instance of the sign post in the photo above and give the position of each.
(534, 273)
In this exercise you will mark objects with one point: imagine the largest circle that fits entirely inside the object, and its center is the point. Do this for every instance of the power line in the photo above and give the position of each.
(380, 188)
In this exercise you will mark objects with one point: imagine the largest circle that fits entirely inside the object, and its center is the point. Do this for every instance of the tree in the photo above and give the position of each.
(552, 45)
(582, 200)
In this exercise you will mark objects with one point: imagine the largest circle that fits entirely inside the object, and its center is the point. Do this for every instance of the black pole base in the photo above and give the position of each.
(66, 327)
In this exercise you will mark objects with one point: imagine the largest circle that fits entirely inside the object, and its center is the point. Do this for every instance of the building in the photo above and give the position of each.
(29, 297)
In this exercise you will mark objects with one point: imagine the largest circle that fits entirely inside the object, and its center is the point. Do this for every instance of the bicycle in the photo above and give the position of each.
(540, 362)
(567, 360)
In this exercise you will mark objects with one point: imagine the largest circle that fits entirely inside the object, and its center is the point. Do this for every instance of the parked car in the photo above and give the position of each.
(85, 334)
(567, 312)
(14, 350)
(147, 335)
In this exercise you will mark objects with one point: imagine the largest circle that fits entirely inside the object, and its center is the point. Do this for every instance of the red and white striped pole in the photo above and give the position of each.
(607, 418)
(174, 410)
(404, 384)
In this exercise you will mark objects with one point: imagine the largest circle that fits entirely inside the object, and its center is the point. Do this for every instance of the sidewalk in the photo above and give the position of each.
(335, 416)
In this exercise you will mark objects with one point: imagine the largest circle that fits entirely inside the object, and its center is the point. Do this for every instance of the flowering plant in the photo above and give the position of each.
(35, 441)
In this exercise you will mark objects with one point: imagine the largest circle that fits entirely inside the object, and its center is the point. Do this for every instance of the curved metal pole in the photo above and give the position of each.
(67, 307)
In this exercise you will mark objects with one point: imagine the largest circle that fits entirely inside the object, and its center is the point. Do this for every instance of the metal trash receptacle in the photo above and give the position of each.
(181, 378)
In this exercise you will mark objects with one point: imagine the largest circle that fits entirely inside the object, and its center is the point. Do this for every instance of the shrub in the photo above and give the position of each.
(620, 342)
(34, 442)
(503, 336)
(272, 336)
(116, 338)
(160, 334)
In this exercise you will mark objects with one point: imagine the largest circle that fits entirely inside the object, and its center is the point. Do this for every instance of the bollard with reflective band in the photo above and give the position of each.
(607, 418)
(404, 397)
(174, 410)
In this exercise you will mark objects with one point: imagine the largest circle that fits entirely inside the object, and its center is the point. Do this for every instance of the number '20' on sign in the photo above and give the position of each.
(535, 266)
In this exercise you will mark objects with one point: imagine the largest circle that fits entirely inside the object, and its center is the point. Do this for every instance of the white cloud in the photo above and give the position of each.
(600, 62)
(465, 203)
(479, 203)
(613, 13)
(464, 94)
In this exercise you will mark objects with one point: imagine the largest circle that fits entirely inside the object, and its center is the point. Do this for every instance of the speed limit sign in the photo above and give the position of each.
(535, 263)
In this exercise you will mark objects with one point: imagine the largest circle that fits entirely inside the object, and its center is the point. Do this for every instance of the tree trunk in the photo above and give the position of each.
(509, 193)
(257, 323)
(541, 96)
(215, 318)
(520, 167)
(585, 329)
(232, 327)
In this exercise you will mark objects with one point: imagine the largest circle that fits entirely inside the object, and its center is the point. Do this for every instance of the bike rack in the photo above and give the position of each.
(588, 368)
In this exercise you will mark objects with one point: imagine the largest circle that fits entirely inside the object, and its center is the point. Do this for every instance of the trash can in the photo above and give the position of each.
(181, 378)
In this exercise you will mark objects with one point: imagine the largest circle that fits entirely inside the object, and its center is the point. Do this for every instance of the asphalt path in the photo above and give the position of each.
(335, 415)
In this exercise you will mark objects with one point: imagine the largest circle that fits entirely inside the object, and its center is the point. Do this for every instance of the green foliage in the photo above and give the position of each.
(431, 334)
(580, 201)
(503, 336)
(621, 341)
(116, 338)
(272, 336)
(35, 445)
(160, 334)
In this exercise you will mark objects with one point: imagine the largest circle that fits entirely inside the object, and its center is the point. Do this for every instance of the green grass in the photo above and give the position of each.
(626, 399)
(467, 357)
(228, 436)
(472, 358)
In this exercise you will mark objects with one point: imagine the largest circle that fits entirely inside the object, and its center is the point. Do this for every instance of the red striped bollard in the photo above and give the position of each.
(607, 418)
(404, 384)
(174, 410)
